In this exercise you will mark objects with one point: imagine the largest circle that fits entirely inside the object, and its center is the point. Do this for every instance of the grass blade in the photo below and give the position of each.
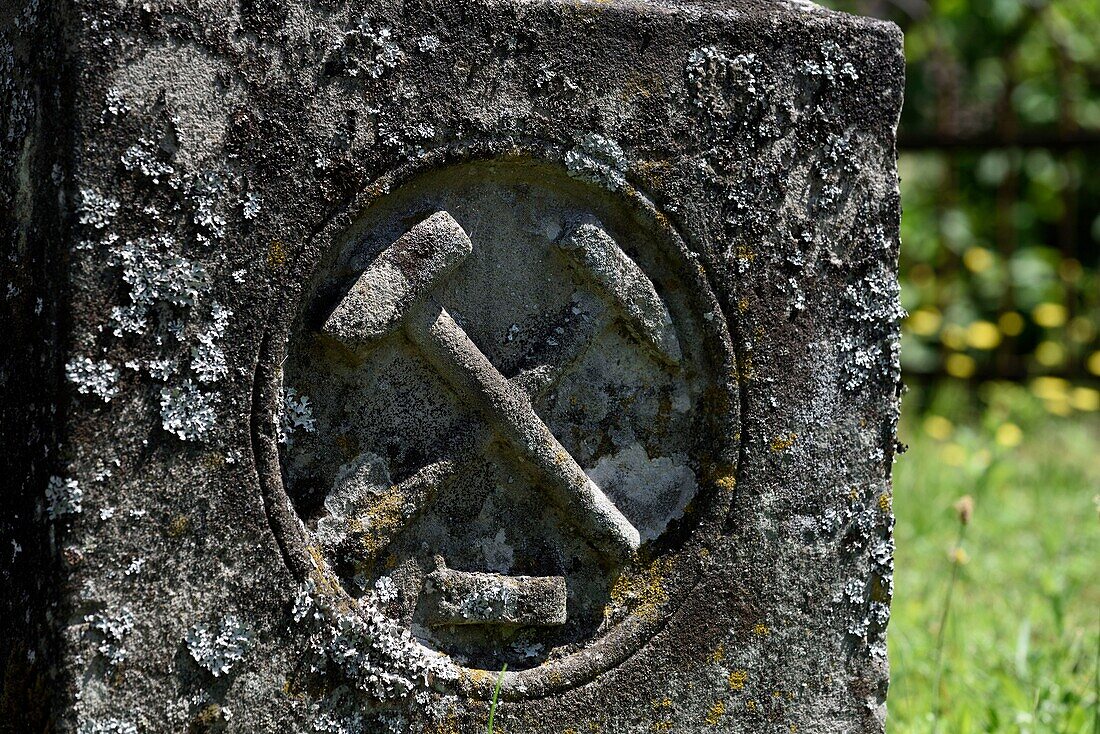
(496, 695)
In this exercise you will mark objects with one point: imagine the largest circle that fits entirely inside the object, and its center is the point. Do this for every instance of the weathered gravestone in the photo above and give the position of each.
(356, 351)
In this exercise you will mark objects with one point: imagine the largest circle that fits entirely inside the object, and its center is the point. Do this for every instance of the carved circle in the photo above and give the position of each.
(660, 438)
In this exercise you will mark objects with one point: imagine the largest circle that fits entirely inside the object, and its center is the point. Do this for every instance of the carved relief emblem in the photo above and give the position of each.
(523, 397)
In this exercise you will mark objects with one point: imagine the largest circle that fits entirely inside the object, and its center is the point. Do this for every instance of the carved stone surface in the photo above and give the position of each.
(360, 350)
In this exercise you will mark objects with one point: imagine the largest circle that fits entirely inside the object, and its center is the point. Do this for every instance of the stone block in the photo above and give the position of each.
(358, 350)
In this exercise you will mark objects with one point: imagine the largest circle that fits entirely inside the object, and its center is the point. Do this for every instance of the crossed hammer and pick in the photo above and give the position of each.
(396, 293)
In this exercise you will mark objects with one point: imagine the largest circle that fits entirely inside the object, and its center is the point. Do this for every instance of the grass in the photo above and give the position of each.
(496, 695)
(997, 629)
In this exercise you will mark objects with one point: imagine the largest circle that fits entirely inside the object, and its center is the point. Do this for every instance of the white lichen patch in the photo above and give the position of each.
(492, 601)
(206, 195)
(142, 158)
(385, 590)
(250, 205)
(93, 378)
(598, 160)
(297, 414)
(109, 632)
(650, 492)
(832, 67)
(376, 655)
(207, 357)
(115, 105)
(106, 726)
(382, 51)
(366, 51)
(186, 411)
(428, 44)
(63, 497)
(96, 210)
(157, 275)
(218, 647)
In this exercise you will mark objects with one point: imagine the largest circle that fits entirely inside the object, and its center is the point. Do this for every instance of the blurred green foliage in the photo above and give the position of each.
(999, 159)
(1021, 637)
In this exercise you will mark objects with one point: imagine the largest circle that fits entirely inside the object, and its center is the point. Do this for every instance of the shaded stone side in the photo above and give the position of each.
(35, 147)
(214, 152)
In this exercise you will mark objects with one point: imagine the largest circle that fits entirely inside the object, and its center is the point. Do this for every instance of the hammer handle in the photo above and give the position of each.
(508, 410)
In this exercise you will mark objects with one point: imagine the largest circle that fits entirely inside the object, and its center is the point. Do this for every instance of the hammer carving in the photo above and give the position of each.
(395, 293)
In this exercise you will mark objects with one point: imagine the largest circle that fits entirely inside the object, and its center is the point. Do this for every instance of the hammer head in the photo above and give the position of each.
(401, 277)
(628, 289)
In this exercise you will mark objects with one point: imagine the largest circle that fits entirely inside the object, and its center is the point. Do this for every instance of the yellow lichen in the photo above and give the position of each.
(726, 482)
(478, 676)
(760, 629)
(448, 725)
(738, 679)
(782, 443)
(179, 526)
(746, 371)
(715, 713)
(642, 592)
(276, 254)
(718, 655)
(213, 460)
(384, 519)
(885, 501)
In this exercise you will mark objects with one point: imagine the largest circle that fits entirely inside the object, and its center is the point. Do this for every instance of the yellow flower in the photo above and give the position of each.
(983, 335)
(959, 365)
(1049, 315)
(938, 427)
(1085, 399)
(1093, 363)
(1011, 323)
(1009, 435)
(977, 259)
(1050, 388)
(924, 321)
(1050, 354)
